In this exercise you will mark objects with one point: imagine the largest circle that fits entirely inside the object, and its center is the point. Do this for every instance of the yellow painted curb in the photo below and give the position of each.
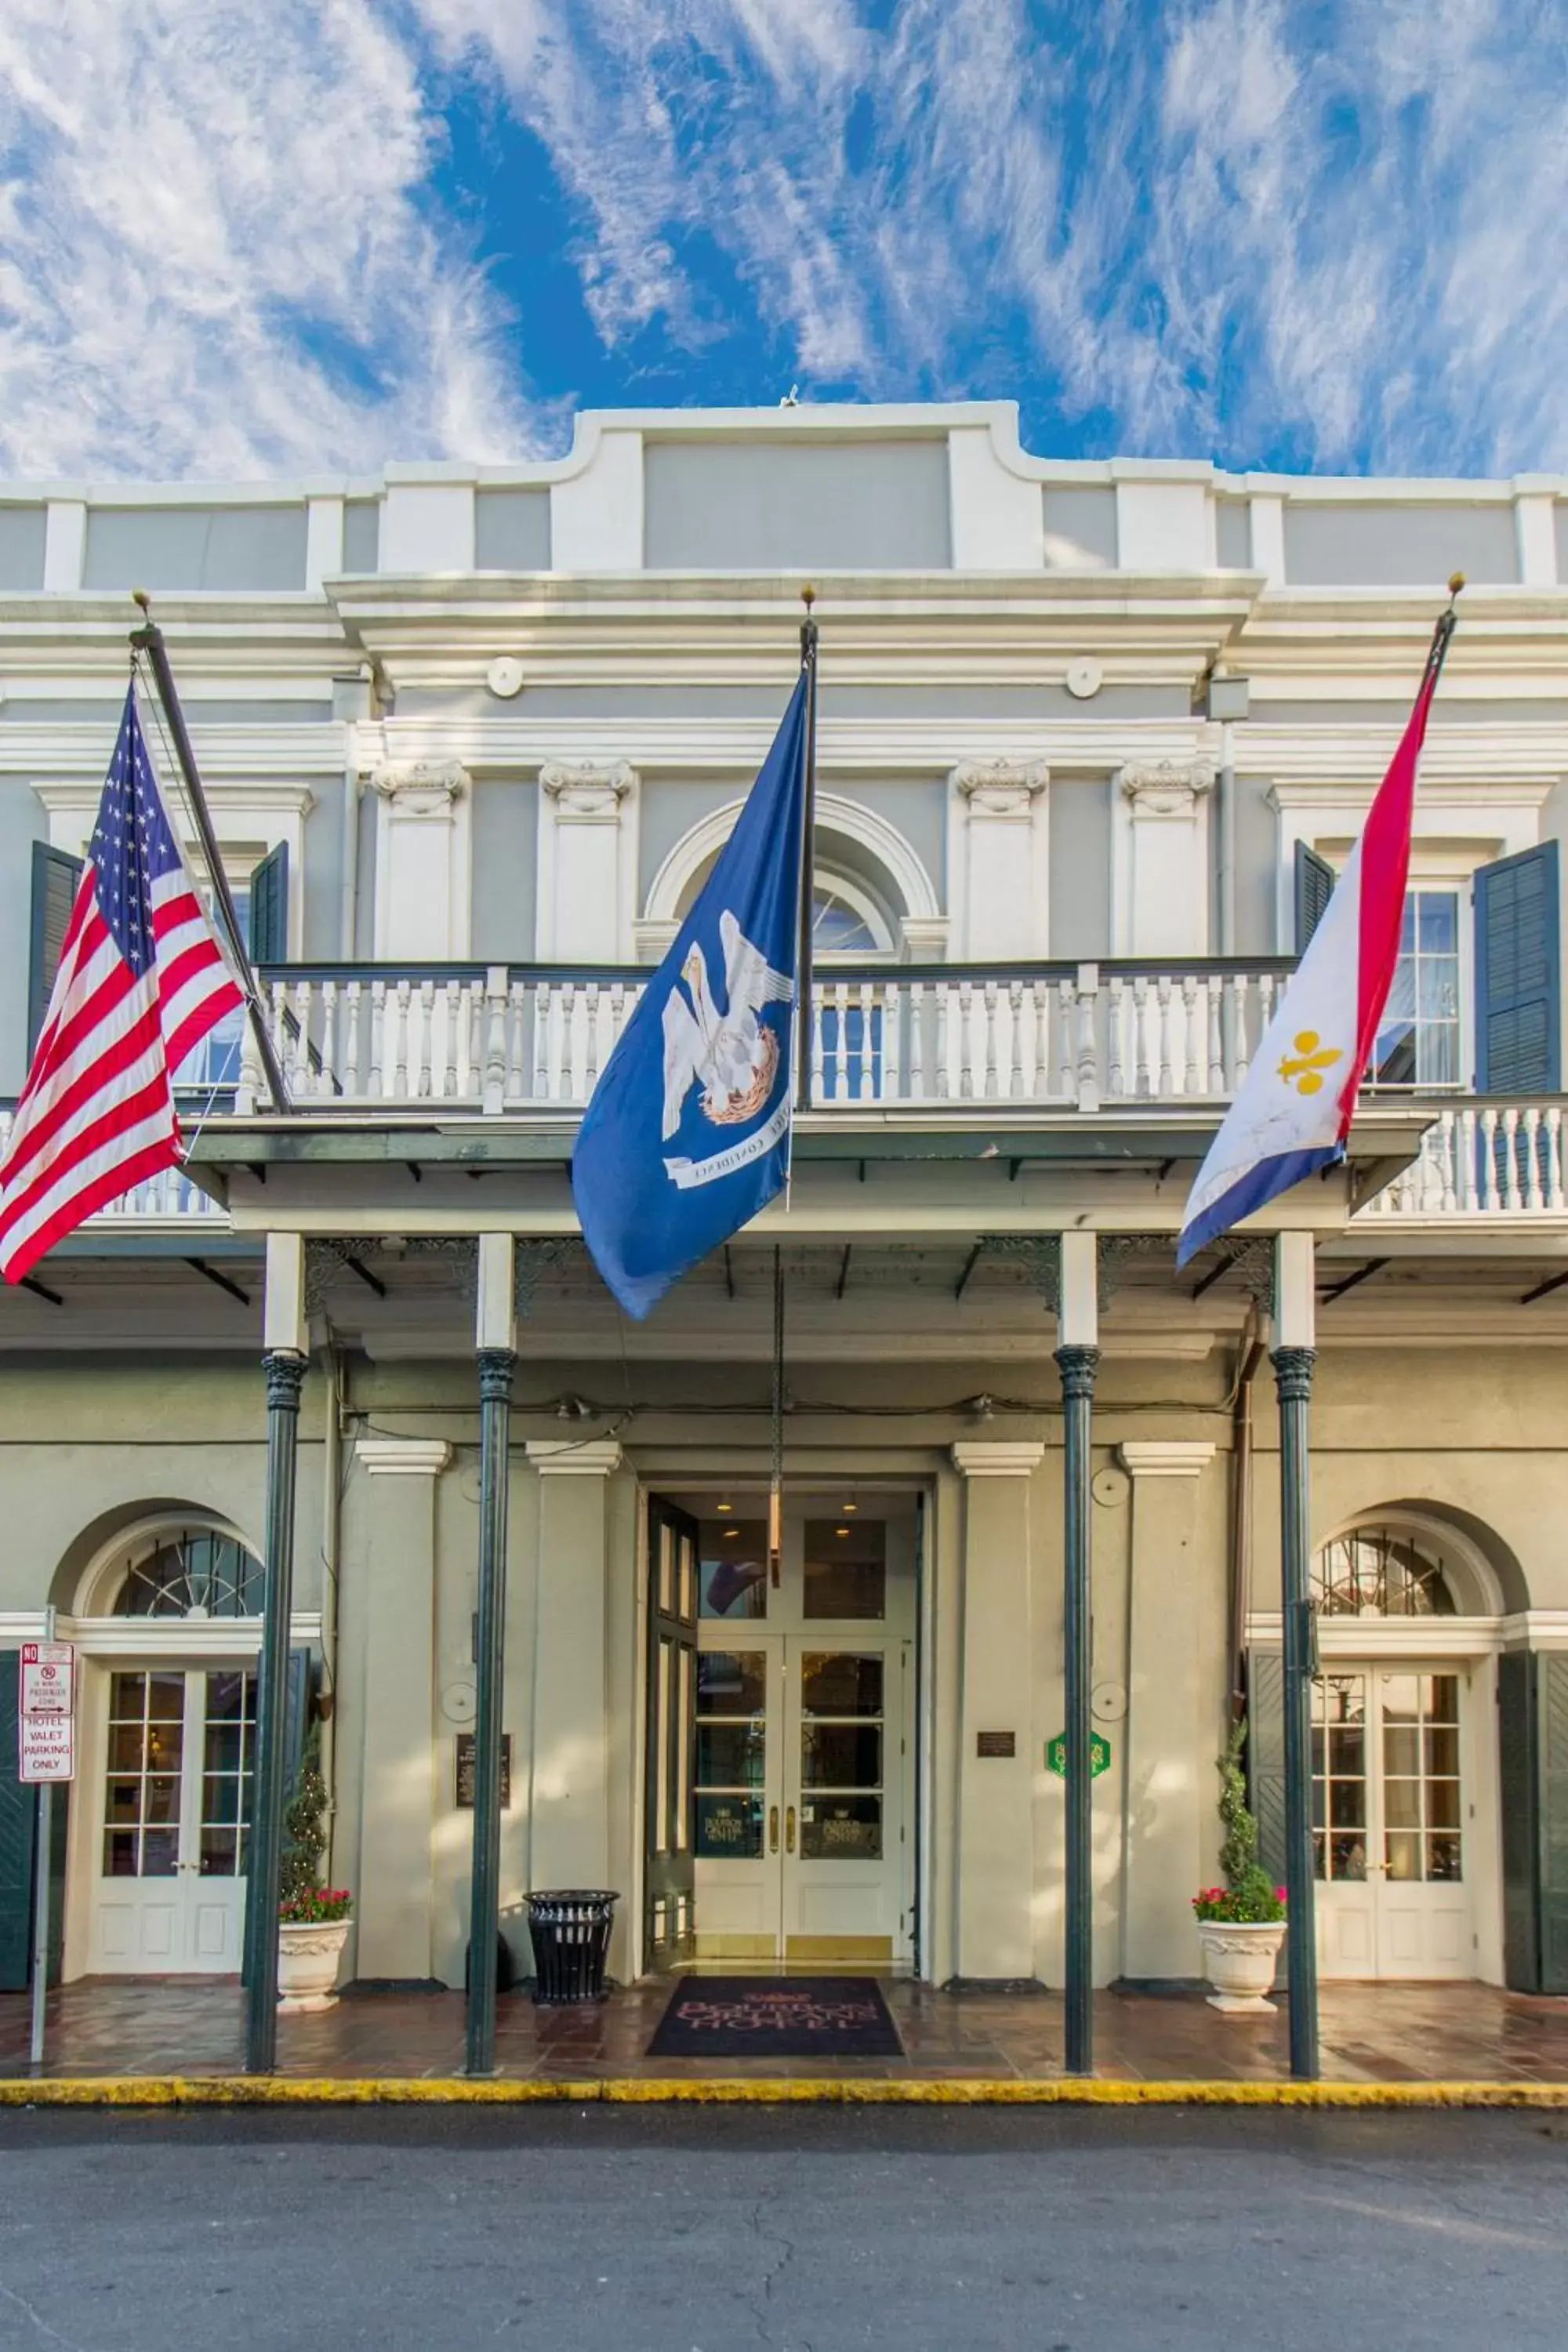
(633, 2090)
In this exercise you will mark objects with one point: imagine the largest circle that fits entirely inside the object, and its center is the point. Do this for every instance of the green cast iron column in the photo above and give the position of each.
(1293, 1378)
(1077, 1367)
(285, 1372)
(496, 1368)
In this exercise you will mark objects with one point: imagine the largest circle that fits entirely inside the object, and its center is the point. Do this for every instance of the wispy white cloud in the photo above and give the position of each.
(1251, 225)
(216, 251)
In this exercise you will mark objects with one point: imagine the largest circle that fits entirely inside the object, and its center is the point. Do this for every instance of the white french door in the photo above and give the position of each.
(802, 1813)
(174, 1797)
(1393, 1823)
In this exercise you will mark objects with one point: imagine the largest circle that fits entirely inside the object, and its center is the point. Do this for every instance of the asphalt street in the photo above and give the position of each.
(808, 2229)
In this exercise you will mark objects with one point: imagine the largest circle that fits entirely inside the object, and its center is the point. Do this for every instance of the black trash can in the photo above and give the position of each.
(570, 1927)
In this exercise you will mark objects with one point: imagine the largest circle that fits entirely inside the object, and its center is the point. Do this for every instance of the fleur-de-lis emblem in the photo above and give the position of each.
(1312, 1057)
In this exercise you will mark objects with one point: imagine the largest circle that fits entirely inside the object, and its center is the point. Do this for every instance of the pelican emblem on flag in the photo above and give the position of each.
(732, 1055)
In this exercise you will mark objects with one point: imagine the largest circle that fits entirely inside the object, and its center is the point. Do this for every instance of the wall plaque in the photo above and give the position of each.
(466, 1768)
(996, 1743)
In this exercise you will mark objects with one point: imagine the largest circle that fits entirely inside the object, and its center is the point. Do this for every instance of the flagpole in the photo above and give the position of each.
(149, 640)
(808, 864)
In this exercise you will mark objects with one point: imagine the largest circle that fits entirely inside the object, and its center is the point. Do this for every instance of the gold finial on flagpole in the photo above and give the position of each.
(1456, 581)
(808, 596)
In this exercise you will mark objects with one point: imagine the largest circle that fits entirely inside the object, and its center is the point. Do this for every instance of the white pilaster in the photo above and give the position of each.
(1295, 1293)
(394, 1599)
(64, 545)
(995, 1842)
(1535, 531)
(283, 1326)
(422, 861)
(587, 861)
(1268, 538)
(596, 516)
(1000, 840)
(1171, 1728)
(1160, 891)
(570, 1835)
(323, 540)
(495, 1318)
(998, 518)
(1078, 1291)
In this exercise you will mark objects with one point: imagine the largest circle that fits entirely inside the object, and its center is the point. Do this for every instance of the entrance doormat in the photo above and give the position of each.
(777, 2017)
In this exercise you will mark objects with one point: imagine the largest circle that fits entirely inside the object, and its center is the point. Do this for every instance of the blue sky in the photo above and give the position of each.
(1282, 233)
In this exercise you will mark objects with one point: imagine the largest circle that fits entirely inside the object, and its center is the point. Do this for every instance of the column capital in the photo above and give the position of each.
(1077, 1366)
(402, 1457)
(587, 791)
(1293, 1373)
(565, 1457)
(285, 1369)
(998, 1457)
(420, 787)
(1000, 787)
(1165, 1457)
(1158, 788)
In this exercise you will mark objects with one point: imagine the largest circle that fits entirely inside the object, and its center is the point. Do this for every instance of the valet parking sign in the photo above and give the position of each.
(47, 1717)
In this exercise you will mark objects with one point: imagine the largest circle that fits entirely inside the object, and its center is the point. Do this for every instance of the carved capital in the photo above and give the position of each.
(422, 787)
(1077, 1367)
(585, 791)
(284, 1374)
(1000, 787)
(1166, 787)
(1293, 1374)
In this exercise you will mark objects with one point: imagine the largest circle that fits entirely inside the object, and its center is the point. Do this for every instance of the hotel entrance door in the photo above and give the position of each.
(802, 1830)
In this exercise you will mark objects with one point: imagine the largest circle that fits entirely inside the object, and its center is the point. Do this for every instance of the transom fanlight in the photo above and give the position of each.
(1383, 1572)
(196, 1573)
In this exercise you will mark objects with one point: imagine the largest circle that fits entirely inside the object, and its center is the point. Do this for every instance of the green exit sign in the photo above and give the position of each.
(1098, 1754)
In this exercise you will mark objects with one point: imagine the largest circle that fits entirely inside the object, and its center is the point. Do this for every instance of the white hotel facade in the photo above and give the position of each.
(1093, 737)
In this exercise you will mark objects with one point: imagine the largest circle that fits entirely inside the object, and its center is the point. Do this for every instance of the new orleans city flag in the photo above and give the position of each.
(1295, 1106)
(687, 1136)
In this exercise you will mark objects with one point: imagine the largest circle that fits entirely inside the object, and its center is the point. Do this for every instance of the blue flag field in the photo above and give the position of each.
(688, 1133)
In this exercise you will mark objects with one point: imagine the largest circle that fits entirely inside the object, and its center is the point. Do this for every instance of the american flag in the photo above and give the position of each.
(141, 981)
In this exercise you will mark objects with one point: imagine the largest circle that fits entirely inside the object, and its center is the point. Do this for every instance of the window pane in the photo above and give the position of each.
(1347, 1804)
(119, 1853)
(1402, 1804)
(1441, 1695)
(733, 1571)
(845, 1568)
(220, 1853)
(1347, 1751)
(225, 1697)
(220, 1797)
(1348, 1858)
(730, 1755)
(841, 1829)
(841, 1756)
(1438, 923)
(731, 1682)
(160, 1852)
(161, 1802)
(729, 1829)
(127, 1698)
(1442, 1804)
(123, 1801)
(166, 1697)
(125, 1746)
(1443, 1859)
(223, 1747)
(1402, 1851)
(1443, 1752)
(840, 1682)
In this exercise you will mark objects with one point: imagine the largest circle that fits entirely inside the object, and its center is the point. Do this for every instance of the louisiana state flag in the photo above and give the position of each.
(1295, 1107)
(688, 1133)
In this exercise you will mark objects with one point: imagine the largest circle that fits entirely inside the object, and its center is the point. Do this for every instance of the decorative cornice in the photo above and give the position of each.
(1165, 1457)
(565, 1457)
(587, 790)
(1166, 787)
(402, 1457)
(1000, 787)
(998, 1458)
(423, 787)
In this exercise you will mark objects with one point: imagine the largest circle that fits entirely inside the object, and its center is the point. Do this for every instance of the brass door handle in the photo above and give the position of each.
(773, 1829)
(789, 1829)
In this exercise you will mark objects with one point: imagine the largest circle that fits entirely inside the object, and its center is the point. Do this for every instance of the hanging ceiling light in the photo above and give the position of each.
(726, 1505)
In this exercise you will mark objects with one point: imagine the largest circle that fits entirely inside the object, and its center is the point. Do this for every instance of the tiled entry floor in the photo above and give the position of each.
(124, 2025)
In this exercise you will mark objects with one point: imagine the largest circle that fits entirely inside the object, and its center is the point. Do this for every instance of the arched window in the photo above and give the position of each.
(196, 1573)
(847, 920)
(1383, 1572)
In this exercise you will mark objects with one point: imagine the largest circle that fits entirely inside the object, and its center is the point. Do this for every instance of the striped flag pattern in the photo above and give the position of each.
(141, 980)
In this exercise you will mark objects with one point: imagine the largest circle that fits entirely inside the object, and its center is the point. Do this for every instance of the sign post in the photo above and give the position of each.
(46, 1727)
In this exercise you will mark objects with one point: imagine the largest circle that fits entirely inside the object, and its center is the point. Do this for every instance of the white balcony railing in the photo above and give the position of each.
(169, 1195)
(1482, 1158)
(1077, 1036)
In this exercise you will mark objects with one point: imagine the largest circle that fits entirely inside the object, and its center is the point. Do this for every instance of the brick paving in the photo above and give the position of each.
(1397, 2033)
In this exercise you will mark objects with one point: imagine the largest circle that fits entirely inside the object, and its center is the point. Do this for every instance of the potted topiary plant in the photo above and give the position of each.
(1241, 1925)
(312, 1919)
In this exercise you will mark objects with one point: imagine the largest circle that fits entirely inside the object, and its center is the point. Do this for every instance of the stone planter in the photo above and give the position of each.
(309, 1953)
(1239, 1961)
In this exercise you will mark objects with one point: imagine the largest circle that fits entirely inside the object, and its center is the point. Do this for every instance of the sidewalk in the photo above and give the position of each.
(1375, 2034)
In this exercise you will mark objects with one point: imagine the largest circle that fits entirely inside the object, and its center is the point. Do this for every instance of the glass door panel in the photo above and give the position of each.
(845, 1844)
(178, 1761)
(736, 1804)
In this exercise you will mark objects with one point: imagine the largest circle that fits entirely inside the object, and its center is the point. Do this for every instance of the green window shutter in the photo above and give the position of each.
(19, 1806)
(1266, 1756)
(1552, 1797)
(55, 878)
(270, 908)
(1516, 1772)
(1518, 982)
(1315, 879)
